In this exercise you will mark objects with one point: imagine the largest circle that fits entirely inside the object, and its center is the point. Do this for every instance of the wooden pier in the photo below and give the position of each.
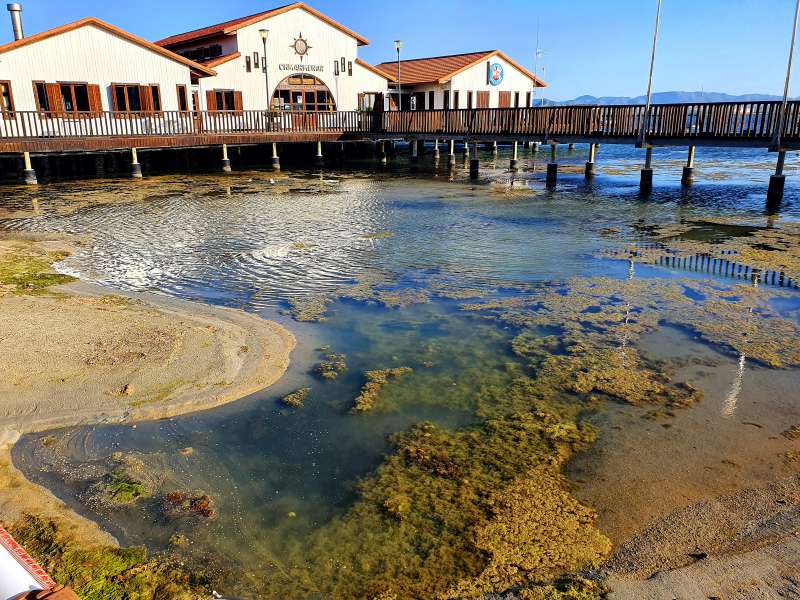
(726, 124)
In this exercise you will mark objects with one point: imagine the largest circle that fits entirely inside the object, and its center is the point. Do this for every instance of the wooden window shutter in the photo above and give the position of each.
(238, 105)
(54, 98)
(95, 101)
(211, 101)
(146, 98)
(360, 102)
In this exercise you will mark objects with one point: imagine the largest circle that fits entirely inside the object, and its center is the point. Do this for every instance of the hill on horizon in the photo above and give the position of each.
(667, 98)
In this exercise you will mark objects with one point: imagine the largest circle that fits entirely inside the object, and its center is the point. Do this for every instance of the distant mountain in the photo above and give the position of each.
(668, 98)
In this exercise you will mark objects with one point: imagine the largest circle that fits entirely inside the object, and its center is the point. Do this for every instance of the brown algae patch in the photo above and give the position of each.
(333, 365)
(296, 398)
(454, 514)
(376, 380)
(775, 248)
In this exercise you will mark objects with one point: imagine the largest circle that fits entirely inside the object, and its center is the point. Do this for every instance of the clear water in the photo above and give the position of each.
(244, 242)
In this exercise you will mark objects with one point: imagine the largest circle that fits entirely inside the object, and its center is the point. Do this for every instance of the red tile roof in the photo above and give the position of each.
(231, 26)
(31, 39)
(375, 70)
(440, 69)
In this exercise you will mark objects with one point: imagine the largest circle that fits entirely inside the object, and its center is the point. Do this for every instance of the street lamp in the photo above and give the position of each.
(650, 77)
(397, 45)
(264, 35)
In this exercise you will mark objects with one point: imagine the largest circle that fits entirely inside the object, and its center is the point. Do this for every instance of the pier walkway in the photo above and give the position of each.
(746, 124)
(732, 124)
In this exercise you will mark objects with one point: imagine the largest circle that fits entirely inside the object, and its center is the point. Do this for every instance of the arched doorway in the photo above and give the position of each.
(303, 93)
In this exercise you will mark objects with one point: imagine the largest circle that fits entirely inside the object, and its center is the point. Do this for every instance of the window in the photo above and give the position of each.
(6, 100)
(446, 100)
(455, 99)
(255, 59)
(183, 102)
(40, 94)
(202, 53)
(349, 68)
(516, 99)
(247, 66)
(528, 99)
(132, 97)
(127, 97)
(430, 100)
(224, 99)
(74, 97)
(469, 100)
(155, 94)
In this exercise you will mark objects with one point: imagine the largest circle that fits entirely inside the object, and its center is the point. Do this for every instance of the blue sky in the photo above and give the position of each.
(597, 47)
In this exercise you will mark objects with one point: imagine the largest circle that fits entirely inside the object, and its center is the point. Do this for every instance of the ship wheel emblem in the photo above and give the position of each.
(300, 46)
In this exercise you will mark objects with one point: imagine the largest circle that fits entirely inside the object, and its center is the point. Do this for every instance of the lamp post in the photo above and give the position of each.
(264, 35)
(397, 45)
(650, 77)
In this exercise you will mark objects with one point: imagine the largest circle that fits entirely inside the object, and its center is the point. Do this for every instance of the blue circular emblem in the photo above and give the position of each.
(495, 74)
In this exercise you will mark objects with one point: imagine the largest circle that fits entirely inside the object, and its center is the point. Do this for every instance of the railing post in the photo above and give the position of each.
(588, 171)
(226, 162)
(136, 168)
(552, 167)
(777, 181)
(688, 170)
(646, 178)
(276, 161)
(514, 155)
(28, 174)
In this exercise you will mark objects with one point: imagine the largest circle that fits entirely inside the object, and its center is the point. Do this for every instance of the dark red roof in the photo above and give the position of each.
(231, 26)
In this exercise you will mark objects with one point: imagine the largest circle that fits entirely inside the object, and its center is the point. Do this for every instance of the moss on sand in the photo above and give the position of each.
(28, 271)
(107, 573)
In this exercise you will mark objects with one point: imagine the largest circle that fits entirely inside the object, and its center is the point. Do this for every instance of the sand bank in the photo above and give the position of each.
(73, 354)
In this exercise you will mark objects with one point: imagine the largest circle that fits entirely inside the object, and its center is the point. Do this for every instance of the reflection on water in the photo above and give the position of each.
(277, 474)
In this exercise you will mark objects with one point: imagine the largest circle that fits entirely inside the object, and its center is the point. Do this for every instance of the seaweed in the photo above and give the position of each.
(366, 399)
(295, 399)
(331, 367)
(105, 573)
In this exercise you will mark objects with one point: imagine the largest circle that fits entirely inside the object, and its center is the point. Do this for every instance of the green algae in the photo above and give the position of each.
(296, 398)
(30, 272)
(453, 514)
(107, 573)
(376, 380)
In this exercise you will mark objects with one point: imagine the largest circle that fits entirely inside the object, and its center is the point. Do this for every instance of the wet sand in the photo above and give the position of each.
(76, 355)
(699, 504)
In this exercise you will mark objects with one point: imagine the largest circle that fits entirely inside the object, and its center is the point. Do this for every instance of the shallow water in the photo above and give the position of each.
(277, 475)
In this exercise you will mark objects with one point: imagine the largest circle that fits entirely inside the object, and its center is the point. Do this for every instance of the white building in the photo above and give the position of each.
(311, 63)
(488, 79)
(91, 66)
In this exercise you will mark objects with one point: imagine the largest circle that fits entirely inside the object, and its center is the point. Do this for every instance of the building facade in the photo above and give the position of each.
(488, 79)
(311, 63)
(116, 71)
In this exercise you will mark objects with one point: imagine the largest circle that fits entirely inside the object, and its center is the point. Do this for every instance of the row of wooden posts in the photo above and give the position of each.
(775, 190)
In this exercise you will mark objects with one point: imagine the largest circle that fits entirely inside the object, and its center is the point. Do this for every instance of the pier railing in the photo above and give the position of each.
(738, 123)
(39, 125)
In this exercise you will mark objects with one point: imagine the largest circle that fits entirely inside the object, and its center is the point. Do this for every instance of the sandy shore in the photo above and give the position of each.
(744, 545)
(75, 354)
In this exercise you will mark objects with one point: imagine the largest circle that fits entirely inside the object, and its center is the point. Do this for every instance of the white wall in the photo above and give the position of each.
(474, 80)
(91, 55)
(327, 44)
